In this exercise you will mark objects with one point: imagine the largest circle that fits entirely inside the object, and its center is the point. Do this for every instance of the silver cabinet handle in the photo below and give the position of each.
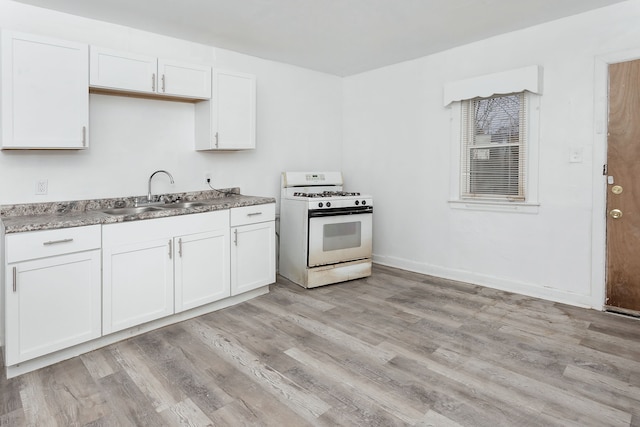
(180, 247)
(15, 279)
(153, 82)
(163, 84)
(84, 136)
(216, 136)
(170, 250)
(235, 238)
(254, 213)
(55, 242)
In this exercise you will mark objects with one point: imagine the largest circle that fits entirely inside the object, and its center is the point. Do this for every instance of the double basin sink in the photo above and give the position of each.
(141, 209)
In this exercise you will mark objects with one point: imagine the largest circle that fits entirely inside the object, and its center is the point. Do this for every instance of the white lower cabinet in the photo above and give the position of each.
(156, 267)
(138, 283)
(52, 292)
(201, 276)
(253, 247)
(62, 290)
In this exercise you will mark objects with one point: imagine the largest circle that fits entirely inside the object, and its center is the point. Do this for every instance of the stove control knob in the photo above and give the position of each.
(364, 202)
(320, 205)
(357, 202)
(328, 204)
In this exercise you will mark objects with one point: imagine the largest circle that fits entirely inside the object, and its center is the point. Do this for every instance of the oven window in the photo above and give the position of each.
(343, 235)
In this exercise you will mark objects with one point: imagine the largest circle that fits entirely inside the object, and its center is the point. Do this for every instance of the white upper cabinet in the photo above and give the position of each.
(179, 79)
(235, 112)
(44, 87)
(111, 69)
(128, 72)
(228, 122)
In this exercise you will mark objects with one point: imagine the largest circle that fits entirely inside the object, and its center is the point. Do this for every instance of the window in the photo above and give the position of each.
(494, 148)
(495, 120)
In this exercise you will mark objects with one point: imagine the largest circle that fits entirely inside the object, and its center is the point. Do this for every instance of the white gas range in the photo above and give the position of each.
(325, 232)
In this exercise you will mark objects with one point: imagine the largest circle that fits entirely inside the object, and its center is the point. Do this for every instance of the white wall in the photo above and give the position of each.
(386, 129)
(395, 124)
(299, 124)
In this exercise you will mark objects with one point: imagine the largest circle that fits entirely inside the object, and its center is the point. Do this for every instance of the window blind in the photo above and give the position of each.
(494, 147)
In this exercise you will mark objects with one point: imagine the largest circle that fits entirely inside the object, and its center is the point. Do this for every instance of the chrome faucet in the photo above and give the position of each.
(149, 196)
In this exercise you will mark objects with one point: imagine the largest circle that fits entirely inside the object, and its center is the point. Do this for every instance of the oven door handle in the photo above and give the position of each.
(340, 212)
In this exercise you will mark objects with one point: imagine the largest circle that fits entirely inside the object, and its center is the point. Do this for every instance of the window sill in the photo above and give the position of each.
(495, 206)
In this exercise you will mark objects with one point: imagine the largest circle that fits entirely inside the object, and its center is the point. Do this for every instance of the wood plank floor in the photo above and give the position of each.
(394, 349)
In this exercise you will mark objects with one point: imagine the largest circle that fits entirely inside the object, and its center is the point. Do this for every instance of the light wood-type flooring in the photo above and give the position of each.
(394, 349)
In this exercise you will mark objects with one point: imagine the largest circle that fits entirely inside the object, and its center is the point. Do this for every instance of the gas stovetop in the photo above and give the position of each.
(321, 190)
(326, 194)
(329, 199)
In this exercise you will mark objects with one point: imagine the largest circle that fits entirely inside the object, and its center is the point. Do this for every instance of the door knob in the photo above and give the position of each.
(615, 213)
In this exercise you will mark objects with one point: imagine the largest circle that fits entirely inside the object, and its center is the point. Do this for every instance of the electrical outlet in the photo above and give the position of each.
(42, 186)
(207, 178)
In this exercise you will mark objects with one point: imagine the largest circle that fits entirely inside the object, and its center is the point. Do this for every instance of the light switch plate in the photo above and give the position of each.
(576, 156)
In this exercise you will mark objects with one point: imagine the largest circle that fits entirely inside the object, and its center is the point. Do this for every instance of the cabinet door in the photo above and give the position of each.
(179, 79)
(201, 269)
(125, 71)
(234, 110)
(138, 283)
(253, 256)
(51, 303)
(45, 98)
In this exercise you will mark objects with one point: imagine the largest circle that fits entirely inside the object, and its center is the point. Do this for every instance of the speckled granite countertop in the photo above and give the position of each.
(77, 213)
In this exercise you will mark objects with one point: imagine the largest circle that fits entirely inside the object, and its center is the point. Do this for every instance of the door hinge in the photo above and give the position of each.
(605, 169)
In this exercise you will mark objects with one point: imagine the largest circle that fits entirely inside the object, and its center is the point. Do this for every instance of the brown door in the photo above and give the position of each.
(623, 189)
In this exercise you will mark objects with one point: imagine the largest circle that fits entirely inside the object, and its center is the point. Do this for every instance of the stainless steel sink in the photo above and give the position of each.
(182, 205)
(130, 210)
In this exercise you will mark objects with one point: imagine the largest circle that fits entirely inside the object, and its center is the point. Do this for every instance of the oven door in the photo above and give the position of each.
(339, 237)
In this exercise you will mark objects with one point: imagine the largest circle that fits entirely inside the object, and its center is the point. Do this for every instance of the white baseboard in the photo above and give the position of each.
(508, 285)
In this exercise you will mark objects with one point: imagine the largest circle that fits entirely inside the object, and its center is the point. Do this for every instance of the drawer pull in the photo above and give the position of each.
(15, 281)
(55, 242)
(254, 213)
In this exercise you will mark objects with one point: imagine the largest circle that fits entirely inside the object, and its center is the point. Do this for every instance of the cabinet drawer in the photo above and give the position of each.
(40, 244)
(253, 214)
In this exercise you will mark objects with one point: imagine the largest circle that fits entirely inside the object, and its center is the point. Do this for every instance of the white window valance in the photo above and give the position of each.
(512, 81)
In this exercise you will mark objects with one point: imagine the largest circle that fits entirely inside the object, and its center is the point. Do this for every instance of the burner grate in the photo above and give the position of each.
(326, 194)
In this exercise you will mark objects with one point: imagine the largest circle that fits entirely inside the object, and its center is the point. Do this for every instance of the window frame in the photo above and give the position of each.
(528, 204)
(471, 145)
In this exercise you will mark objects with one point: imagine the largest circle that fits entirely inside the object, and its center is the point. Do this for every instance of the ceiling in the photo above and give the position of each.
(341, 37)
